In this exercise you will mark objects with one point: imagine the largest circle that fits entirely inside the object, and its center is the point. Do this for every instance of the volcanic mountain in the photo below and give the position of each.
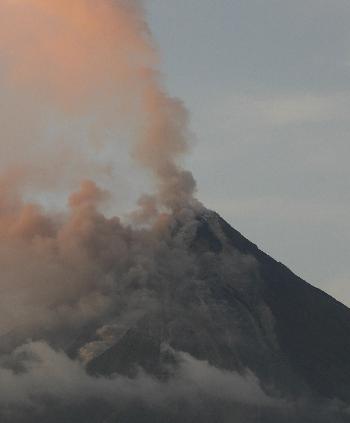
(228, 334)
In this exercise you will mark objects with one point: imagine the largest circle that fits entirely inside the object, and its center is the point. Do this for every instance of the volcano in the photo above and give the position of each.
(168, 314)
(238, 334)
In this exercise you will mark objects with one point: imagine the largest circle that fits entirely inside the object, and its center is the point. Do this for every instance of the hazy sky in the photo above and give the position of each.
(267, 83)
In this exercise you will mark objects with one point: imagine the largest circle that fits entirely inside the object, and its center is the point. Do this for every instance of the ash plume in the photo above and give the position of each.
(83, 64)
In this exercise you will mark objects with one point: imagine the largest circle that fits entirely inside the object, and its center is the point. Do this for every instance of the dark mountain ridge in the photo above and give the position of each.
(313, 329)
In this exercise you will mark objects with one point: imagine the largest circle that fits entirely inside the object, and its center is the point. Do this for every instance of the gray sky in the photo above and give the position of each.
(267, 83)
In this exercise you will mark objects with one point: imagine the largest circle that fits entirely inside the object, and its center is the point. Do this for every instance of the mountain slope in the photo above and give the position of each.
(313, 329)
(243, 310)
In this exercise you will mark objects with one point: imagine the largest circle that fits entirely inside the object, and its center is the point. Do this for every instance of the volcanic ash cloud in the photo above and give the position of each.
(66, 64)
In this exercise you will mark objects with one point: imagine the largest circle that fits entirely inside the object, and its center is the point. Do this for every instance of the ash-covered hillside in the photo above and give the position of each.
(199, 324)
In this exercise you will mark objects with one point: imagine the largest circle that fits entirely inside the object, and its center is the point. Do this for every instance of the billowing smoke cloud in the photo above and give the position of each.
(76, 69)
